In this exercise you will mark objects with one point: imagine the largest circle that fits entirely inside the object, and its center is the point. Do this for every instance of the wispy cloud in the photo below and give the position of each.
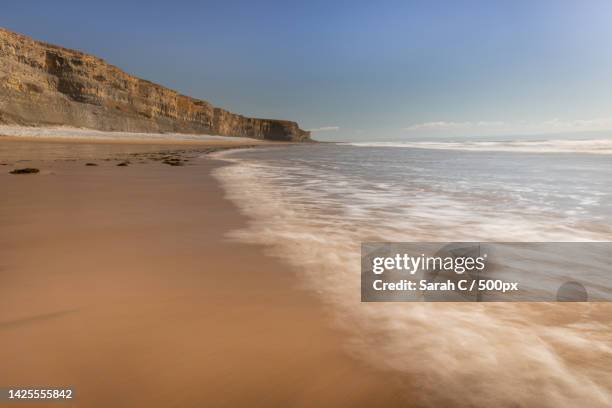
(579, 124)
(518, 127)
(325, 129)
(443, 125)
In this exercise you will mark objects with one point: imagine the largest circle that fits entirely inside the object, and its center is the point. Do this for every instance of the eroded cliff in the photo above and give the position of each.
(43, 84)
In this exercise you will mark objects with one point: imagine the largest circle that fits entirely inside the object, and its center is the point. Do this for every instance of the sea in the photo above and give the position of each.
(313, 205)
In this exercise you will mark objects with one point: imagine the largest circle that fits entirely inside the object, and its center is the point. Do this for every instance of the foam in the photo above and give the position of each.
(594, 146)
(545, 355)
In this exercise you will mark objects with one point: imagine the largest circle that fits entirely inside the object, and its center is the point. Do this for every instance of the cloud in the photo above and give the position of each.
(519, 127)
(325, 129)
(579, 124)
(454, 125)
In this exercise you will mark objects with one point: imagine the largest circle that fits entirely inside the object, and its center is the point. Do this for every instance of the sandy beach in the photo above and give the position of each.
(277, 204)
(118, 282)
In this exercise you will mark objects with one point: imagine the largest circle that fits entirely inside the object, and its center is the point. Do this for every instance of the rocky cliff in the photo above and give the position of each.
(43, 84)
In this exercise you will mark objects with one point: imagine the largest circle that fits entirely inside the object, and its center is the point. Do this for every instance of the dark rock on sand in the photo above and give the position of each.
(26, 170)
(173, 162)
(123, 164)
(90, 164)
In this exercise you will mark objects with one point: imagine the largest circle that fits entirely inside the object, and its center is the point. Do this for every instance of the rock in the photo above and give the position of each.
(26, 170)
(90, 164)
(123, 164)
(43, 84)
(173, 162)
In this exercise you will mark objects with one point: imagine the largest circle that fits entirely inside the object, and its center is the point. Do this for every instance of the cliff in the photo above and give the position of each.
(43, 84)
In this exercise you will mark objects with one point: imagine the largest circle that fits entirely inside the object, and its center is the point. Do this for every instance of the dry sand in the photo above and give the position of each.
(118, 282)
(68, 134)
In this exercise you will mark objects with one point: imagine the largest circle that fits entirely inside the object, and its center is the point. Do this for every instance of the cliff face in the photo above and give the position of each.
(43, 84)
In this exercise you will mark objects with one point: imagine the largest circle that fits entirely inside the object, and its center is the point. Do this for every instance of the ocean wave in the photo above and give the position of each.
(593, 146)
(464, 355)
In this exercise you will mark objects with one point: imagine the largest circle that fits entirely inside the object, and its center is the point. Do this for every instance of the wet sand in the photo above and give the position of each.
(119, 283)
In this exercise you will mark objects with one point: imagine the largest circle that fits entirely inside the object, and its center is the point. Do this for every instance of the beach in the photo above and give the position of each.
(120, 282)
(265, 204)
(180, 274)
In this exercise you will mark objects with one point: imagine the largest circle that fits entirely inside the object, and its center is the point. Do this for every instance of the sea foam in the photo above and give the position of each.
(313, 215)
(593, 146)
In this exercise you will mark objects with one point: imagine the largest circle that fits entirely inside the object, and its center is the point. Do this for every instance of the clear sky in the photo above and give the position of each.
(372, 70)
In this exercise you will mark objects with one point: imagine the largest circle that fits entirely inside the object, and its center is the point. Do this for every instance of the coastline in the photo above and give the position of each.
(123, 274)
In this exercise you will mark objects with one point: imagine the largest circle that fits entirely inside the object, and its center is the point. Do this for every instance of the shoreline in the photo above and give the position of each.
(124, 274)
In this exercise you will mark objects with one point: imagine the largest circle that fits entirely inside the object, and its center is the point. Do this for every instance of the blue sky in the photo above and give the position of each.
(359, 70)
